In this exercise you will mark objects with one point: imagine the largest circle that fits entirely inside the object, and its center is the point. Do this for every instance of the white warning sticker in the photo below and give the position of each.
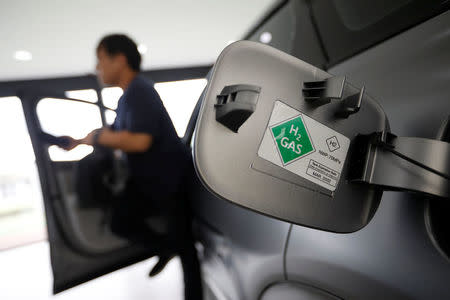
(304, 146)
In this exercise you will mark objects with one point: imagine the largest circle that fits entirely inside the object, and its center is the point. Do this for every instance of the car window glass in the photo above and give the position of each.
(61, 117)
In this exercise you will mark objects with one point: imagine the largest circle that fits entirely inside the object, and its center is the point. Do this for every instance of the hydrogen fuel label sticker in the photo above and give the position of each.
(303, 146)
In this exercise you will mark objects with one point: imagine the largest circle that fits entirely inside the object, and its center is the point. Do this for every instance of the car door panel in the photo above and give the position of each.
(391, 258)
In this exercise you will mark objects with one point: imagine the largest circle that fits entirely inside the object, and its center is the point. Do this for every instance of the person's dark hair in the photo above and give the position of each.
(121, 44)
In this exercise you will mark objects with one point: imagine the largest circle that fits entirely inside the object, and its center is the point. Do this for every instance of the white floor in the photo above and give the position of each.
(25, 273)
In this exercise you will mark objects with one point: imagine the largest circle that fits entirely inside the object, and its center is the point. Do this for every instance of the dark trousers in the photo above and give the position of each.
(128, 220)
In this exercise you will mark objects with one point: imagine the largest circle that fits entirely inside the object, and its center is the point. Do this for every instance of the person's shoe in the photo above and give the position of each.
(160, 265)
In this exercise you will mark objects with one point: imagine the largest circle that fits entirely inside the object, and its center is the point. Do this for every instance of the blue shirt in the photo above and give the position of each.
(160, 168)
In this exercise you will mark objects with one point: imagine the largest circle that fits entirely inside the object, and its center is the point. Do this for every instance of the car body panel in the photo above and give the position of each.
(394, 256)
(241, 251)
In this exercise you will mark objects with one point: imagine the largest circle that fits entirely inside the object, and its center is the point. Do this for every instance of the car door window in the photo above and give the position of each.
(61, 117)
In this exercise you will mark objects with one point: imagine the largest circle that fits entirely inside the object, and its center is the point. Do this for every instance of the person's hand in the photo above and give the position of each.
(89, 139)
(69, 143)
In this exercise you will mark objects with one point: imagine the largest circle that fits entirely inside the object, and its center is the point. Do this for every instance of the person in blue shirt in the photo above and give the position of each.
(157, 159)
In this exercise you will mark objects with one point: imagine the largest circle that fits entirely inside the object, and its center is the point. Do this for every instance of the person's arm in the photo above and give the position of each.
(64, 142)
(124, 140)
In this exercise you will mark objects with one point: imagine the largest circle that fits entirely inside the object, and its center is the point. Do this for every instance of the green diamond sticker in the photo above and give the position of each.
(292, 139)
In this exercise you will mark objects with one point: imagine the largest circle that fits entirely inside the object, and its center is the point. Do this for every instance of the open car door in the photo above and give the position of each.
(82, 247)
